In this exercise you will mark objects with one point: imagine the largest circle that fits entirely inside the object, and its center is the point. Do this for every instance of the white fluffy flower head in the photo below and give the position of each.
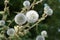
(47, 10)
(44, 33)
(39, 37)
(11, 32)
(20, 18)
(2, 22)
(26, 3)
(32, 16)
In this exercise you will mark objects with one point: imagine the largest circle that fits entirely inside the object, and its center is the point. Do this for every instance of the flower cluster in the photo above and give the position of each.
(27, 16)
(26, 3)
(31, 16)
(47, 10)
(42, 36)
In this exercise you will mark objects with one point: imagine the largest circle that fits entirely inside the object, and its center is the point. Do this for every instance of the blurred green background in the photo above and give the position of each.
(51, 24)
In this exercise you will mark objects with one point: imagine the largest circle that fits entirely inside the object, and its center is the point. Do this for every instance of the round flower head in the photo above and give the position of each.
(26, 3)
(48, 10)
(11, 32)
(20, 18)
(2, 22)
(39, 37)
(44, 33)
(32, 16)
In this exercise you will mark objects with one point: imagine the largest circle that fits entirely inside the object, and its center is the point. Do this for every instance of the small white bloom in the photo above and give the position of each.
(20, 18)
(39, 37)
(11, 32)
(44, 33)
(26, 3)
(48, 10)
(32, 16)
(2, 22)
(58, 30)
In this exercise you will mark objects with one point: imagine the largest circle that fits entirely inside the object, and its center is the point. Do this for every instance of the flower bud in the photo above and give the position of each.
(44, 33)
(26, 3)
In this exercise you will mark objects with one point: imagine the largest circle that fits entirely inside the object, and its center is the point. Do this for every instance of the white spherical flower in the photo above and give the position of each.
(44, 33)
(20, 18)
(32, 16)
(26, 3)
(11, 32)
(2, 22)
(39, 37)
(48, 10)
